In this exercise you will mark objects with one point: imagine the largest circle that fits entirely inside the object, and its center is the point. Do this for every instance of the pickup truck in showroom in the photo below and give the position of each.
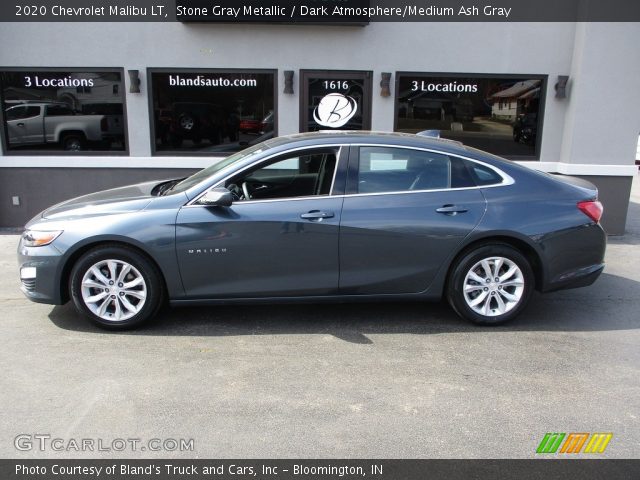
(56, 124)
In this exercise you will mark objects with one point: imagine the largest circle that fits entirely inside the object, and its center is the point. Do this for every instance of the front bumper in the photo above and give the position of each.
(40, 272)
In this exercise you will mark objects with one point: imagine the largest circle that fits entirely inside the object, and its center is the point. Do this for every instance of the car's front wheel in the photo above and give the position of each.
(116, 287)
(490, 284)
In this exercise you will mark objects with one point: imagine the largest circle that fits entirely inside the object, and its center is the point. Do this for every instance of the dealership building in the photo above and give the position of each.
(89, 106)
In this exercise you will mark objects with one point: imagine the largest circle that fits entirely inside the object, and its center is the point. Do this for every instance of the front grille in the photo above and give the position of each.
(29, 284)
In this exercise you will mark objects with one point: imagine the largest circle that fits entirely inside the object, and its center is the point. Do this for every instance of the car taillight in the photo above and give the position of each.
(104, 124)
(592, 209)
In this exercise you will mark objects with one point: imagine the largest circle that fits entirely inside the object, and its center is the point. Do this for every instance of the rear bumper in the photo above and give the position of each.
(573, 257)
(582, 277)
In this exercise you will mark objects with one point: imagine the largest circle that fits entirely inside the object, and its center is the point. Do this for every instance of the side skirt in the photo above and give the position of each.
(415, 297)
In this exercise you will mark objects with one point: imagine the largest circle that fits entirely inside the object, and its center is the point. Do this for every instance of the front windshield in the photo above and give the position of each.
(198, 177)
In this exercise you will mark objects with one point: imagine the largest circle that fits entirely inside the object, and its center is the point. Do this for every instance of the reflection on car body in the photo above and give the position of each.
(334, 216)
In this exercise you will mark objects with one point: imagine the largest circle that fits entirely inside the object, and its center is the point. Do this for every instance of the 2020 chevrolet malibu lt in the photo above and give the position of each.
(336, 216)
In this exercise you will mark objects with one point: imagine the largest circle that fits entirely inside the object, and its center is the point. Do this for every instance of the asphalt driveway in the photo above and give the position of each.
(371, 380)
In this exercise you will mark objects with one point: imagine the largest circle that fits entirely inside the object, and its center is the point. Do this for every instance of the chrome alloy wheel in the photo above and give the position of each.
(493, 286)
(113, 290)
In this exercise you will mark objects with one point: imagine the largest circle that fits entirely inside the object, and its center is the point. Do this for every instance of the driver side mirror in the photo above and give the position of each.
(216, 197)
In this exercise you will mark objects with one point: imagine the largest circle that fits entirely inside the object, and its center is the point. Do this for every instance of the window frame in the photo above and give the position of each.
(544, 78)
(351, 188)
(319, 149)
(4, 133)
(359, 172)
(337, 187)
(180, 70)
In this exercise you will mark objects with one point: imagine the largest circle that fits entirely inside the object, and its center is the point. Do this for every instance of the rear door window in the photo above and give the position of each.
(388, 169)
(483, 175)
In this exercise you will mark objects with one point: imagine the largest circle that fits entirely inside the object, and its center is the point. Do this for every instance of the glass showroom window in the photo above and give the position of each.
(209, 111)
(335, 100)
(62, 111)
(501, 114)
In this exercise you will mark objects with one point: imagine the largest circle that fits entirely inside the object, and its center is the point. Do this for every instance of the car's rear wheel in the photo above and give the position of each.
(116, 287)
(73, 142)
(490, 284)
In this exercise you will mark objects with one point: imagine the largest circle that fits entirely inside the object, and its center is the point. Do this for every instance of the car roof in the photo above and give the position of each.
(360, 136)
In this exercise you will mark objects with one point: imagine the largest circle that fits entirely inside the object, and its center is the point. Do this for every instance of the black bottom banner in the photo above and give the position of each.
(166, 469)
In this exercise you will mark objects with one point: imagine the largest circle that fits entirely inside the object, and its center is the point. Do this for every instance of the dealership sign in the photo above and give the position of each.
(335, 110)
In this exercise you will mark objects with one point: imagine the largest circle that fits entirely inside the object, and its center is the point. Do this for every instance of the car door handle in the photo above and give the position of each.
(451, 209)
(21, 124)
(317, 215)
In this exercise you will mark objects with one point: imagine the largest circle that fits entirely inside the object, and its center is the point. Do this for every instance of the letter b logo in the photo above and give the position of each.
(335, 110)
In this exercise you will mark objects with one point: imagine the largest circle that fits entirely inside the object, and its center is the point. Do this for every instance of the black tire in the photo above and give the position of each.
(73, 142)
(142, 268)
(493, 291)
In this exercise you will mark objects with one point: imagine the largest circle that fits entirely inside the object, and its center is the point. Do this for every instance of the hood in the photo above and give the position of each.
(117, 200)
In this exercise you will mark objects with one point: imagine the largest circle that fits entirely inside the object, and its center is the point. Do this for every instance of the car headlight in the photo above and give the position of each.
(39, 238)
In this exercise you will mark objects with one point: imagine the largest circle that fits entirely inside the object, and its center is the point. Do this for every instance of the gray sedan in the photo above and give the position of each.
(342, 216)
